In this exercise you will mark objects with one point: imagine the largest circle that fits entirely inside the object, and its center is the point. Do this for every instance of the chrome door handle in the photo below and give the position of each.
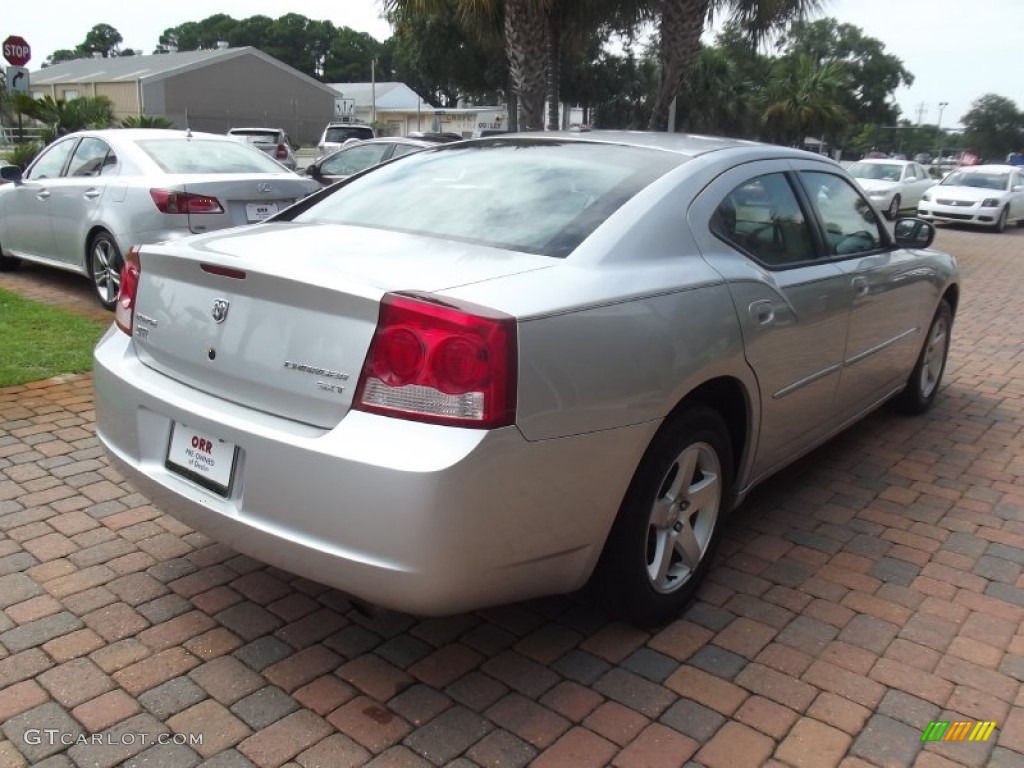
(91, 194)
(762, 312)
(860, 286)
(42, 194)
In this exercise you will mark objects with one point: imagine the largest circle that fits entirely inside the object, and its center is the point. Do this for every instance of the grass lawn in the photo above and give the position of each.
(38, 341)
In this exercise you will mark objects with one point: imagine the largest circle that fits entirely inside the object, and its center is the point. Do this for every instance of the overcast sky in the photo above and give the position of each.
(956, 50)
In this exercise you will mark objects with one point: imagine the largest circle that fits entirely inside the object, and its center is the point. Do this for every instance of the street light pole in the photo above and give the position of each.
(938, 130)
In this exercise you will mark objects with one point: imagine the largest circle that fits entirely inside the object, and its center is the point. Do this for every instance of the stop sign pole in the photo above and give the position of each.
(17, 51)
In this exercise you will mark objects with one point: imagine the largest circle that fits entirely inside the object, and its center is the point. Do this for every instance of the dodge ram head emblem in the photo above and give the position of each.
(220, 310)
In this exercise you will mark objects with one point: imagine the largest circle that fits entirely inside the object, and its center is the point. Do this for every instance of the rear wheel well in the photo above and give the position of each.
(728, 397)
(90, 237)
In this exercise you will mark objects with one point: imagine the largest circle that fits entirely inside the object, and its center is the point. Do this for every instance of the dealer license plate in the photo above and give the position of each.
(260, 211)
(202, 458)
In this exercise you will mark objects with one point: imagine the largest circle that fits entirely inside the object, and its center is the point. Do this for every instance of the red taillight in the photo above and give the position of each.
(282, 152)
(169, 201)
(124, 309)
(440, 363)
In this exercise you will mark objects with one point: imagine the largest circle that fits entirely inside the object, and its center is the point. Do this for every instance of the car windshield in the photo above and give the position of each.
(979, 179)
(207, 156)
(881, 171)
(536, 196)
(339, 133)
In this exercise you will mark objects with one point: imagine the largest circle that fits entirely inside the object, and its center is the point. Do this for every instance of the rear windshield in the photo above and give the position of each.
(882, 171)
(340, 133)
(257, 137)
(207, 156)
(541, 197)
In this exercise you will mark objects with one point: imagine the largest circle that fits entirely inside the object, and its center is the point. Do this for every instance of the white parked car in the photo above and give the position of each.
(988, 195)
(90, 196)
(892, 184)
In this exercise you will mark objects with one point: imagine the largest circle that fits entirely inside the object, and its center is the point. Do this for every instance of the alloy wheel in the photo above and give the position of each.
(683, 516)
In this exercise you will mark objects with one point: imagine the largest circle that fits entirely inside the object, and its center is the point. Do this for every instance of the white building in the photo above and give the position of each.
(398, 110)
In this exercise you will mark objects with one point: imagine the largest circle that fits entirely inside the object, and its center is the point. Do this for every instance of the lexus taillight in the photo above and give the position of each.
(169, 201)
(124, 309)
(439, 362)
(282, 152)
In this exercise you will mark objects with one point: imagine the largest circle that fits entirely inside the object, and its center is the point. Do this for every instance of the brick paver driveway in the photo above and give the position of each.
(869, 590)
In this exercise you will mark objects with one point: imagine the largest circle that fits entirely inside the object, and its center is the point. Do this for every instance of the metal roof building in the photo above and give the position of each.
(209, 90)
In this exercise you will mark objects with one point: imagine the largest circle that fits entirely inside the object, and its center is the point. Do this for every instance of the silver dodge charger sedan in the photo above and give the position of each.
(499, 369)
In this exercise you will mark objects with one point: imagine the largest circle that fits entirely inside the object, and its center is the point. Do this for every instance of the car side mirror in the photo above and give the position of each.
(913, 233)
(11, 173)
(314, 171)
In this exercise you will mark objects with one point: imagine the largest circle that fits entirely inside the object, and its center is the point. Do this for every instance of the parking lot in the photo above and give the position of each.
(867, 591)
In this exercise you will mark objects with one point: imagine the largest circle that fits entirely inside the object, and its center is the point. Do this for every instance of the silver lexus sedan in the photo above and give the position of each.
(499, 369)
(90, 196)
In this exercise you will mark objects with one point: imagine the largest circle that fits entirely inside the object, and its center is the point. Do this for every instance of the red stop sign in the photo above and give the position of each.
(16, 51)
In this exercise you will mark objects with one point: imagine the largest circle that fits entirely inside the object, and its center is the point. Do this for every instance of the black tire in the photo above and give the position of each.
(923, 384)
(105, 262)
(894, 208)
(659, 506)
(1004, 216)
(8, 263)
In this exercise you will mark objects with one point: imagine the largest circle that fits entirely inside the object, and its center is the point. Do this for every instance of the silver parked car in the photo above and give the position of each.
(273, 141)
(88, 197)
(366, 154)
(497, 369)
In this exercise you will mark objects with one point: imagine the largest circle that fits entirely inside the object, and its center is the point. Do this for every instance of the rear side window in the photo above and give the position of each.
(541, 197)
(207, 156)
(763, 218)
(91, 158)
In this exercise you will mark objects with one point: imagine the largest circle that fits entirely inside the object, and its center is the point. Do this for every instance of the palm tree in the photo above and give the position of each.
(804, 99)
(533, 33)
(681, 23)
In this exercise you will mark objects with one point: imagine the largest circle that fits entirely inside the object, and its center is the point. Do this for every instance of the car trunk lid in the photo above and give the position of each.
(279, 317)
(244, 198)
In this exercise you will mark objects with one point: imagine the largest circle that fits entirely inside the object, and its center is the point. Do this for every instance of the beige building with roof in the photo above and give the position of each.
(209, 90)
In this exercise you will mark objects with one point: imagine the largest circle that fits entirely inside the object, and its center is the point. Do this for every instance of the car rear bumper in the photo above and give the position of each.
(415, 517)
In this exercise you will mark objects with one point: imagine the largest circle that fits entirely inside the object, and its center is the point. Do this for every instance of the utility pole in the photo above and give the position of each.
(921, 109)
(938, 128)
(373, 94)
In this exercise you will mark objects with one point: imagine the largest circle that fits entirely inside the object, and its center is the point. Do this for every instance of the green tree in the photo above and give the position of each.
(103, 39)
(61, 117)
(350, 57)
(146, 121)
(873, 75)
(436, 56)
(60, 55)
(803, 99)
(682, 22)
(192, 35)
(994, 127)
